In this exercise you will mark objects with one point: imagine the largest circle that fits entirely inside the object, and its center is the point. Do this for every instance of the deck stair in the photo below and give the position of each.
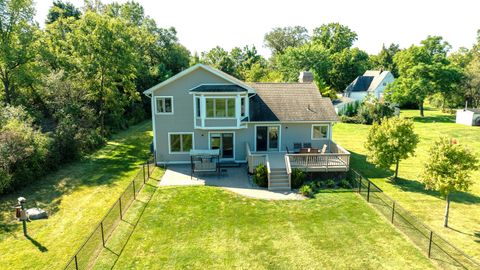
(279, 180)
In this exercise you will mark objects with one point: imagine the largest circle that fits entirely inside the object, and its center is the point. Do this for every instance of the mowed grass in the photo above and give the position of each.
(429, 206)
(210, 228)
(76, 197)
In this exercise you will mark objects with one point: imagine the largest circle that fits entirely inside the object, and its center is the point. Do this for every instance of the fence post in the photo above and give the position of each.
(133, 184)
(76, 262)
(143, 168)
(430, 244)
(368, 192)
(103, 236)
(359, 184)
(393, 211)
(120, 203)
(148, 170)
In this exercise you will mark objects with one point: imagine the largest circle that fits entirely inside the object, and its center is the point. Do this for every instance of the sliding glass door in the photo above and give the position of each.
(267, 138)
(224, 142)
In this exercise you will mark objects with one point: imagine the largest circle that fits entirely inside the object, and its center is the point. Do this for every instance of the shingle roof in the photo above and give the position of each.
(218, 88)
(290, 102)
(361, 83)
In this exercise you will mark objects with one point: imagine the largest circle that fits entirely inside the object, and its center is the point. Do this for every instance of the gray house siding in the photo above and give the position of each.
(182, 118)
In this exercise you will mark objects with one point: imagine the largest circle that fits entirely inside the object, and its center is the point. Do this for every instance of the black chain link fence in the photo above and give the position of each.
(435, 247)
(88, 252)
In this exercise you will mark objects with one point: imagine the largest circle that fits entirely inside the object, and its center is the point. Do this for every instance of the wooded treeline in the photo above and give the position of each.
(70, 84)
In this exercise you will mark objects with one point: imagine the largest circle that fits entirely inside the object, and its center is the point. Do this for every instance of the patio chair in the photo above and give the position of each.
(314, 150)
(307, 145)
(296, 147)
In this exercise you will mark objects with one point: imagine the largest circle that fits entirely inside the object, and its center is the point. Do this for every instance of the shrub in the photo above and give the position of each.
(330, 183)
(260, 178)
(306, 191)
(368, 112)
(298, 178)
(344, 183)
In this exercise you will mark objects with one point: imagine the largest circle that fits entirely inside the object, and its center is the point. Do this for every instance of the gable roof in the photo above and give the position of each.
(215, 88)
(189, 70)
(290, 102)
(360, 84)
(378, 79)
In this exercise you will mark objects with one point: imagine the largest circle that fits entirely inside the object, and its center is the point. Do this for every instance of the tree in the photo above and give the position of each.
(62, 9)
(424, 70)
(384, 59)
(281, 38)
(219, 59)
(334, 37)
(391, 141)
(346, 65)
(17, 49)
(448, 169)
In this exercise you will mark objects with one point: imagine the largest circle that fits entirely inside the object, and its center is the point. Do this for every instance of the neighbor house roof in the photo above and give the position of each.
(289, 102)
(361, 83)
(218, 88)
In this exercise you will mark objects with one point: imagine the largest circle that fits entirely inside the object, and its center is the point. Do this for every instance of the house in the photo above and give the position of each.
(372, 82)
(469, 117)
(281, 125)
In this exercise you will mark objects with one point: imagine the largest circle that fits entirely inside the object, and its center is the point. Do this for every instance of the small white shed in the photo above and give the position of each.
(469, 117)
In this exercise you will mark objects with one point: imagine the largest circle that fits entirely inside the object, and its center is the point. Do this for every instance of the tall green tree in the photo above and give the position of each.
(448, 169)
(62, 9)
(391, 141)
(384, 59)
(334, 37)
(424, 70)
(18, 33)
(281, 38)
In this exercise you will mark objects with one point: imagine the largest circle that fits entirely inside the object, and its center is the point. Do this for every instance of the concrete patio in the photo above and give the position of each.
(235, 179)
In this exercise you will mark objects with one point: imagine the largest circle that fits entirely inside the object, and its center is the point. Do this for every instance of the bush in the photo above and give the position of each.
(344, 183)
(306, 191)
(368, 112)
(260, 177)
(298, 178)
(330, 184)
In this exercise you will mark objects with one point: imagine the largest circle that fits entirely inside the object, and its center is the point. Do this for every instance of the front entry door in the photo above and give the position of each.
(224, 142)
(267, 138)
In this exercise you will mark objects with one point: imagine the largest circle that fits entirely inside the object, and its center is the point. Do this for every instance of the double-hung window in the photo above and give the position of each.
(164, 105)
(220, 107)
(180, 143)
(319, 132)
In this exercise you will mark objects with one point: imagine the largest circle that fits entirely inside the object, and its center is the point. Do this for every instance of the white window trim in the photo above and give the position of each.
(279, 137)
(222, 131)
(180, 133)
(214, 108)
(320, 125)
(163, 113)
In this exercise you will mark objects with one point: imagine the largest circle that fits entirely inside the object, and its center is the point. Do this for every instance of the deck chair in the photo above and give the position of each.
(296, 147)
(304, 150)
(307, 145)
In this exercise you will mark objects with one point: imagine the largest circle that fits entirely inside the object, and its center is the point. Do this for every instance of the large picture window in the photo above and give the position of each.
(164, 105)
(220, 107)
(319, 132)
(180, 142)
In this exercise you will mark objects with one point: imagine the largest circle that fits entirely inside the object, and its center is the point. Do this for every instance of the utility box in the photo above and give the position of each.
(468, 117)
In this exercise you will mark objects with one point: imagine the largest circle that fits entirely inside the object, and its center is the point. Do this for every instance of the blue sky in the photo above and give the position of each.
(202, 25)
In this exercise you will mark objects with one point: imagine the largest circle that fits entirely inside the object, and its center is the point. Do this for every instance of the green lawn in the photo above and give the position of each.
(208, 227)
(427, 205)
(76, 197)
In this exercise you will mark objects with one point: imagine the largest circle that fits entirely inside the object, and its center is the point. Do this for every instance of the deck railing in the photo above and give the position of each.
(253, 160)
(337, 160)
(288, 168)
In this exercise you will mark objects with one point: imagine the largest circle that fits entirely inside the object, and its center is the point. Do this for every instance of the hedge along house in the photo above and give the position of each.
(280, 125)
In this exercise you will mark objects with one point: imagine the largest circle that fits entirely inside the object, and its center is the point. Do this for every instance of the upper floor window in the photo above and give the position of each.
(197, 106)
(319, 132)
(242, 107)
(164, 105)
(220, 107)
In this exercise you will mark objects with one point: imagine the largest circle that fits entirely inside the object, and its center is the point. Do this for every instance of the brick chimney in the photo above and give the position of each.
(305, 77)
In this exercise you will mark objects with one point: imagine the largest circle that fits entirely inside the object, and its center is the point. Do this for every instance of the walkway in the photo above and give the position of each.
(234, 179)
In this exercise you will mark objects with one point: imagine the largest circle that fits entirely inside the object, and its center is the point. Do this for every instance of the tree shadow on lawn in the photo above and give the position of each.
(47, 192)
(359, 163)
(434, 119)
(415, 186)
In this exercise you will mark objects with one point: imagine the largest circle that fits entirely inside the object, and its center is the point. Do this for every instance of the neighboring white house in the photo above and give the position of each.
(371, 82)
(469, 117)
